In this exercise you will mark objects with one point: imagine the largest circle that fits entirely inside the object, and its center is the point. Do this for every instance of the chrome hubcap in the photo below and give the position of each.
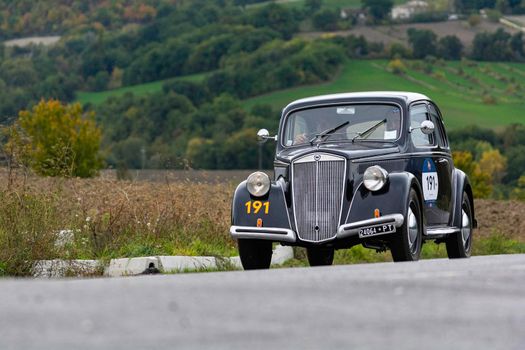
(465, 229)
(412, 230)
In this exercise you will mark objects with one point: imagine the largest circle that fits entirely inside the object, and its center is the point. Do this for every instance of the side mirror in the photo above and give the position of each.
(427, 127)
(263, 135)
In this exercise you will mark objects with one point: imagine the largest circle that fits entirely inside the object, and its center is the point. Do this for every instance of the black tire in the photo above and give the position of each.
(459, 244)
(320, 256)
(255, 254)
(406, 244)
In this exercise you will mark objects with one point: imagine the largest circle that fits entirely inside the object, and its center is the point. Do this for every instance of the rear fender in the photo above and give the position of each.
(462, 184)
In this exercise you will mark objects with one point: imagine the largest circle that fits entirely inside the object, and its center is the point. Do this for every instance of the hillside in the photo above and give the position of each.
(26, 17)
(99, 97)
(460, 97)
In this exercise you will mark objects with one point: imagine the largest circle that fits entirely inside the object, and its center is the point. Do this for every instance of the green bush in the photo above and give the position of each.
(58, 140)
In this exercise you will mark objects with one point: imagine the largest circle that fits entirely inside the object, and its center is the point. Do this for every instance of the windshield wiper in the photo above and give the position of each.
(369, 131)
(328, 132)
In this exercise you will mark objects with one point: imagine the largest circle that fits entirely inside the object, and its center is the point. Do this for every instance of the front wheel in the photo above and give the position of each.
(255, 254)
(459, 244)
(406, 244)
(320, 256)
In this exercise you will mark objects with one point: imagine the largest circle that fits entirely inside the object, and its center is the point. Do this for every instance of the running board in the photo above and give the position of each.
(442, 231)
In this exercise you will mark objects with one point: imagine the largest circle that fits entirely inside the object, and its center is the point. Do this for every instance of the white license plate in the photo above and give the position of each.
(376, 230)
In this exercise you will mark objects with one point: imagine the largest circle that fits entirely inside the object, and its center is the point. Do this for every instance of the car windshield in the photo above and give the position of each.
(377, 122)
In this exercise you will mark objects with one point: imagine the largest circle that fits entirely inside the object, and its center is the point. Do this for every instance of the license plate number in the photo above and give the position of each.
(376, 230)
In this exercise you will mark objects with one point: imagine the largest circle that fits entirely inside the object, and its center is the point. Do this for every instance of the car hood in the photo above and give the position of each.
(353, 151)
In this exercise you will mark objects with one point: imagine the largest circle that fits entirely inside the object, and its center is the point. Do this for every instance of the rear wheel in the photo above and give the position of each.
(459, 244)
(255, 254)
(320, 256)
(406, 245)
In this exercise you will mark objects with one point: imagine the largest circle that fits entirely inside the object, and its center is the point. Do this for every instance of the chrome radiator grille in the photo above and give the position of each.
(318, 184)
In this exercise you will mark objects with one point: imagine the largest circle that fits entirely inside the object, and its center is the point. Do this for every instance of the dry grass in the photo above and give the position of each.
(109, 218)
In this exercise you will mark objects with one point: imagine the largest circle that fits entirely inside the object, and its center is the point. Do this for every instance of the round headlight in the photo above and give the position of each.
(258, 184)
(375, 178)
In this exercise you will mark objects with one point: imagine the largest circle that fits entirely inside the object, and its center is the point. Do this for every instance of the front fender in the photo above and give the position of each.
(277, 212)
(391, 199)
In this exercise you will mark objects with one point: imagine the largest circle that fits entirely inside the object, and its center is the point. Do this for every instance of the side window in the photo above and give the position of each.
(418, 114)
(440, 128)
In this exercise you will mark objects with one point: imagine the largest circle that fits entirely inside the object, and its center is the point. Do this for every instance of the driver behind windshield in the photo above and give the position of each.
(313, 127)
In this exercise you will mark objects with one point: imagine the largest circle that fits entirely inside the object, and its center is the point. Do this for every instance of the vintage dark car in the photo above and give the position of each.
(370, 168)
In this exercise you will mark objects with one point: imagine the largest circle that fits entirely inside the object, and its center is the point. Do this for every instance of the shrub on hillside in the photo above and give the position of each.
(474, 20)
(489, 99)
(396, 66)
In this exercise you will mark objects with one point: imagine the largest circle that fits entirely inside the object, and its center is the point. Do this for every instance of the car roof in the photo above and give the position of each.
(408, 97)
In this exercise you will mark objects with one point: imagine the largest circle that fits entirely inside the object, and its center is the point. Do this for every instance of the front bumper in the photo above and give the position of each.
(268, 233)
(287, 235)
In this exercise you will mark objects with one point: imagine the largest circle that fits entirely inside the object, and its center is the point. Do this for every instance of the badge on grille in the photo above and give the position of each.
(317, 157)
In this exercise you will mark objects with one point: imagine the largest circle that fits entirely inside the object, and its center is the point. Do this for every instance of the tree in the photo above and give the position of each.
(61, 139)
(492, 46)
(450, 47)
(467, 6)
(326, 19)
(423, 42)
(517, 45)
(276, 17)
(494, 164)
(378, 9)
(519, 191)
(516, 159)
(480, 181)
(313, 6)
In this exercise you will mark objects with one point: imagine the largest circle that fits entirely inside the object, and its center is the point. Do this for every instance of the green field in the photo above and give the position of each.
(458, 94)
(138, 90)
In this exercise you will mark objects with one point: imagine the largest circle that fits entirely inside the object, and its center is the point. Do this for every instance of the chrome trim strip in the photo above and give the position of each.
(398, 156)
(353, 228)
(284, 200)
(267, 233)
(439, 231)
(324, 157)
(352, 201)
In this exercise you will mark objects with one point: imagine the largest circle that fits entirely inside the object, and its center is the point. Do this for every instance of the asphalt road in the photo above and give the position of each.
(478, 303)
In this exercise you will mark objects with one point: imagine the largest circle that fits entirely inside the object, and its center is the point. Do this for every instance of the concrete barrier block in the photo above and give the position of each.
(235, 261)
(187, 263)
(133, 266)
(281, 254)
(58, 268)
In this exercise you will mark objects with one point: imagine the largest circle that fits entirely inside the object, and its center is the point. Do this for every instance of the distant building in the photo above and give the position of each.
(409, 9)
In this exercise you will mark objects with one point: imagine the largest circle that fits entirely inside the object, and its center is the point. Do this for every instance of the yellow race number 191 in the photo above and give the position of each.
(256, 206)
